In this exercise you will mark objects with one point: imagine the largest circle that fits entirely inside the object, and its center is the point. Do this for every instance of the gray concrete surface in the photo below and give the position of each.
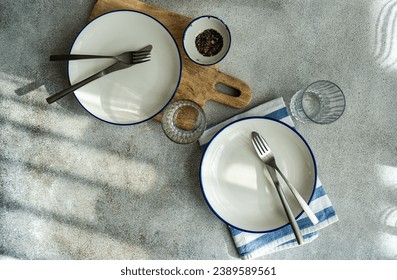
(73, 187)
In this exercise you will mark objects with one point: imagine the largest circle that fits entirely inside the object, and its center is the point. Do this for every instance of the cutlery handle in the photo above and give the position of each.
(300, 199)
(290, 215)
(65, 92)
(63, 57)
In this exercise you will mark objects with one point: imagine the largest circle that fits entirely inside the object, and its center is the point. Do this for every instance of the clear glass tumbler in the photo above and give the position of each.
(193, 121)
(321, 102)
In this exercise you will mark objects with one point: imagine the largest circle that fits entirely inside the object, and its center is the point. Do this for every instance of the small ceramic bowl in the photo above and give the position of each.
(206, 40)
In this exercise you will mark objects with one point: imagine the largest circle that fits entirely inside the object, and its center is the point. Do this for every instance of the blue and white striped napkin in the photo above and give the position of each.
(254, 245)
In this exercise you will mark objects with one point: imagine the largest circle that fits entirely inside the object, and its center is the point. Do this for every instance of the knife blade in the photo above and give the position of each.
(285, 204)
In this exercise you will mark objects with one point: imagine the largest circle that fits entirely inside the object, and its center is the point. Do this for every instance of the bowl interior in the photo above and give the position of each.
(198, 26)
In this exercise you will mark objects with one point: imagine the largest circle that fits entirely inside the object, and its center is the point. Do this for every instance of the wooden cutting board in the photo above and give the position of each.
(198, 83)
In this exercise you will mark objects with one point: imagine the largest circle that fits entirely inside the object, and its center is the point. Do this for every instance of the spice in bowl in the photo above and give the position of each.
(209, 42)
(206, 40)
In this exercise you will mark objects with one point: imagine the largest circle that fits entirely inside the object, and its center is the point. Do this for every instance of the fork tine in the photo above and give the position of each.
(259, 148)
(140, 57)
(140, 53)
(262, 142)
(255, 142)
(259, 143)
(140, 61)
(256, 146)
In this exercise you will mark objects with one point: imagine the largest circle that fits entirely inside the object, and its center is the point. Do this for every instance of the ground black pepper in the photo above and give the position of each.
(209, 42)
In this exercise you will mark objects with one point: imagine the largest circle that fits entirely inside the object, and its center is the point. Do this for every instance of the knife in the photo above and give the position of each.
(286, 206)
(112, 68)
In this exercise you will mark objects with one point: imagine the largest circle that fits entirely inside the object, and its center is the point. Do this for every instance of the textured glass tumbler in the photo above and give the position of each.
(321, 102)
(196, 121)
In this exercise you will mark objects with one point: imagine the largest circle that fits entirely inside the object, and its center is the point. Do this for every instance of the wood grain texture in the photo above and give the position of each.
(198, 83)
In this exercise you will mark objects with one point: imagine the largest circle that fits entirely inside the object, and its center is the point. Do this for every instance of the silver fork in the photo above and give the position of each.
(267, 156)
(112, 68)
(125, 57)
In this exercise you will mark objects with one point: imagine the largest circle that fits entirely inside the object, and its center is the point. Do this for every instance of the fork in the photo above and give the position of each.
(125, 57)
(266, 155)
(112, 68)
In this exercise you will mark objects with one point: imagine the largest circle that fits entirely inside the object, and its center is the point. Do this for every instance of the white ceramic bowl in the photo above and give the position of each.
(135, 94)
(195, 28)
(235, 182)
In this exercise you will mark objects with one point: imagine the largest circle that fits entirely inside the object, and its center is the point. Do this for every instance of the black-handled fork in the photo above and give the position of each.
(133, 60)
(125, 57)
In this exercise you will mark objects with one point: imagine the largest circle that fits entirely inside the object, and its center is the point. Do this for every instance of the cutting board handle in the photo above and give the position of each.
(237, 101)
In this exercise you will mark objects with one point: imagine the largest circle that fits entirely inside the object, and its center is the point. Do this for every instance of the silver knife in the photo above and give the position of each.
(266, 155)
(286, 206)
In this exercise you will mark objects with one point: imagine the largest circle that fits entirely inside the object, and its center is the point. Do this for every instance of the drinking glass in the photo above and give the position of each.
(321, 102)
(183, 121)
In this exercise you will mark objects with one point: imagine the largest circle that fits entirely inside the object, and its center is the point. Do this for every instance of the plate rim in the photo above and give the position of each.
(179, 56)
(244, 119)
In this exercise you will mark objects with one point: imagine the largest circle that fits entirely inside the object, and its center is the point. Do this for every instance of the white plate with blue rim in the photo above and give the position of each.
(135, 94)
(236, 184)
